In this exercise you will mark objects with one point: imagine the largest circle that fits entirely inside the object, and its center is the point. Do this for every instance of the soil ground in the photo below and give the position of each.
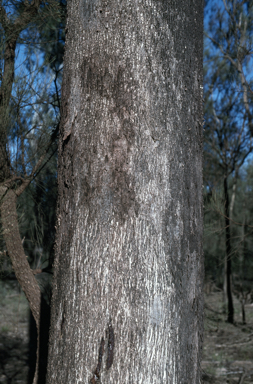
(14, 334)
(227, 349)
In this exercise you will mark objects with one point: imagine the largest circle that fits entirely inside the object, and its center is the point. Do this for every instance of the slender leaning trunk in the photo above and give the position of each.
(127, 299)
(20, 265)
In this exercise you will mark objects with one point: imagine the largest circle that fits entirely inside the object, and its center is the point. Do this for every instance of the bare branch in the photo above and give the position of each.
(225, 54)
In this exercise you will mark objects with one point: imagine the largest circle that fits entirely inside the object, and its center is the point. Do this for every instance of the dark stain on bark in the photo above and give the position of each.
(115, 82)
(122, 182)
(87, 189)
(96, 375)
(110, 347)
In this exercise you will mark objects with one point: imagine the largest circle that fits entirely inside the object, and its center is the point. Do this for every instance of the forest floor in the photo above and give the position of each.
(14, 334)
(227, 350)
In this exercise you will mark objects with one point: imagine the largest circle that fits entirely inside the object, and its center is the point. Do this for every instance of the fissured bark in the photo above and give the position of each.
(127, 300)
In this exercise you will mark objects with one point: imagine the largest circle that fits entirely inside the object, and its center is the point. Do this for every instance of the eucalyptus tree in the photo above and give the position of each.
(127, 296)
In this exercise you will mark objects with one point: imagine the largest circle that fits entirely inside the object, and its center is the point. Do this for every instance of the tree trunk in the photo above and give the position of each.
(232, 203)
(230, 317)
(23, 272)
(243, 310)
(8, 194)
(224, 294)
(21, 267)
(127, 297)
(5, 95)
(230, 210)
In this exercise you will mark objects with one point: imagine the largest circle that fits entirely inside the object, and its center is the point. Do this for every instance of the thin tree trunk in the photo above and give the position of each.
(127, 297)
(21, 267)
(241, 260)
(230, 317)
(232, 203)
(5, 95)
(243, 309)
(8, 196)
(242, 247)
(231, 208)
(224, 293)
(16, 252)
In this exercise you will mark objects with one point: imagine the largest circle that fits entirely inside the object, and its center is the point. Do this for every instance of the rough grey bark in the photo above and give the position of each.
(127, 299)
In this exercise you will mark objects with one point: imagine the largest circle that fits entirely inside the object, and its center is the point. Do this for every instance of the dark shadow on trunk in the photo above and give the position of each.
(43, 341)
(32, 347)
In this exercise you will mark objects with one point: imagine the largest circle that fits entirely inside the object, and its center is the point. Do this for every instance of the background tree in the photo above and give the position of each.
(29, 113)
(228, 108)
(127, 301)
